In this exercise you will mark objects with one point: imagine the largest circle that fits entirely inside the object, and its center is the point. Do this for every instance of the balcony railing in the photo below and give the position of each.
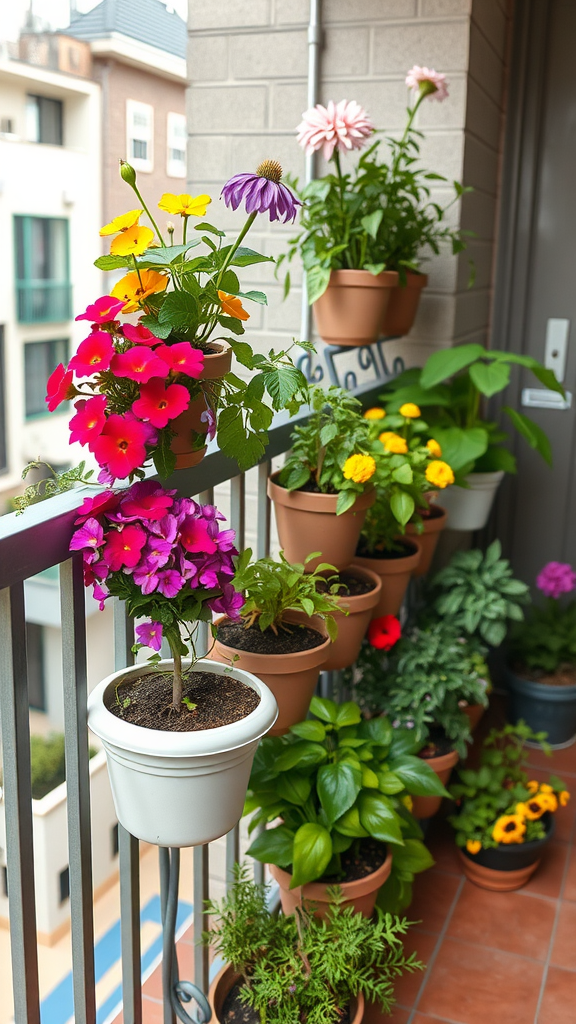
(30, 544)
(43, 301)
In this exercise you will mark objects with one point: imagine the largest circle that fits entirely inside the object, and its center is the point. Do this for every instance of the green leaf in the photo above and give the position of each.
(317, 279)
(210, 227)
(254, 296)
(403, 475)
(338, 786)
(312, 854)
(274, 846)
(461, 446)
(303, 755)
(243, 352)
(403, 742)
(379, 730)
(371, 222)
(158, 330)
(413, 857)
(490, 378)
(532, 433)
(309, 730)
(389, 783)
(112, 262)
(346, 499)
(325, 709)
(164, 458)
(244, 257)
(282, 384)
(349, 824)
(294, 788)
(347, 714)
(418, 777)
(180, 310)
(448, 361)
(379, 818)
(402, 506)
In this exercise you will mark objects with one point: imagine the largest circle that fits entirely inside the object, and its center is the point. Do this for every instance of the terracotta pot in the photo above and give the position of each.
(351, 310)
(395, 575)
(292, 678)
(473, 713)
(352, 627)
(426, 806)
(226, 979)
(308, 522)
(403, 305)
(428, 539)
(507, 866)
(216, 365)
(360, 894)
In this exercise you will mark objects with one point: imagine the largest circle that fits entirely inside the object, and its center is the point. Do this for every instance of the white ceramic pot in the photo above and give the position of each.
(469, 507)
(179, 788)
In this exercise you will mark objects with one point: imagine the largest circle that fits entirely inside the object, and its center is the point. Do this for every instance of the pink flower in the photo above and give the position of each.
(556, 578)
(146, 577)
(344, 126)
(427, 82)
(89, 421)
(158, 404)
(121, 447)
(157, 552)
(91, 535)
(139, 335)
(123, 547)
(139, 364)
(60, 387)
(93, 354)
(170, 582)
(95, 506)
(105, 309)
(145, 500)
(182, 358)
(194, 536)
(150, 634)
(229, 603)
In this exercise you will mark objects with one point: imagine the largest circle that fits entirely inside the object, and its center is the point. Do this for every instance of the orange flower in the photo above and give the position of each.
(434, 448)
(393, 442)
(563, 797)
(473, 845)
(232, 306)
(134, 288)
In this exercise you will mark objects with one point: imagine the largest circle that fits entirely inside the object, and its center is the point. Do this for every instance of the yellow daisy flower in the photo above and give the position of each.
(410, 410)
(549, 801)
(434, 448)
(439, 474)
(473, 845)
(133, 288)
(185, 205)
(510, 828)
(545, 788)
(359, 468)
(131, 241)
(122, 223)
(393, 442)
(374, 414)
(533, 786)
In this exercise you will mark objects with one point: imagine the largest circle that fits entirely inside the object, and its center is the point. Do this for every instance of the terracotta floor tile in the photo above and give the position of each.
(473, 985)
(153, 985)
(434, 892)
(504, 920)
(559, 1002)
(440, 841)
(561, 762)
(547, 881)
(373, 1015)
(424, 1018)
(564, 949)
(407, 987)
(570, 885)
(152, 1012)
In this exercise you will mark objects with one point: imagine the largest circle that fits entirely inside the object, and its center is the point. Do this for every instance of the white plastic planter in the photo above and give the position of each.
(469, 507)
(179, 788)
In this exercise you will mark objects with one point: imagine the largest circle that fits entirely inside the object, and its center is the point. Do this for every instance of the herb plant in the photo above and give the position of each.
(546, 641)
(57, 483)
(296, 968)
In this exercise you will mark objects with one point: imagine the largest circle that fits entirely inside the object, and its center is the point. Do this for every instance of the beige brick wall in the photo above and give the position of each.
(247, 69)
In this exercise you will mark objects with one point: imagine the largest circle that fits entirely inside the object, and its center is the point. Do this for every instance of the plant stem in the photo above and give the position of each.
(184, 230)
(235, 246)
(151, 218)
(177, 683)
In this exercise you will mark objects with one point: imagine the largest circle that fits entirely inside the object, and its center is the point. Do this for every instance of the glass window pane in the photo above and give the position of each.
(32, 119)
(50, 121)
(40, 359)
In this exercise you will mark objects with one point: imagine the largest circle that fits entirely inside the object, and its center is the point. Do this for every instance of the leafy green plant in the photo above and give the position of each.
(452, 386)
(57, 483)
(334, 780)
(477, 593)
(298, 968)
(546, 641)
(497, 801)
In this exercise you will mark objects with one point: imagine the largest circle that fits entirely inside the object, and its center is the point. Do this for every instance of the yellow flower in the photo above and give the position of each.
(359, 468)
(473, 845)
(533, 786)
(232, 306)
(434, 448)
(510, 828)
(122, 223)
(545, 788)
(533, 808)
(393, 442)
(134, 288)
(407, 801)
(374, 414)
(185, 205)
(548, 800)
(440, 474)
(410, 411)
(132, 242)
(563, 797)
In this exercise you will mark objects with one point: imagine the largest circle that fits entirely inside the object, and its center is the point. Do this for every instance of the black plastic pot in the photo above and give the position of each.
(514, 856)
(545, 708)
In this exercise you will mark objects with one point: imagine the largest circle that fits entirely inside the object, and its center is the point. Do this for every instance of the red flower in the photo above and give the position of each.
(139, 335)
(384, 632)
(146, 500)
(93, 354)
(121, 445)
(89, 420)
(59, 387)
(93, 507)
(103, 310)
(123, 547)
(194, 536)
(183, 358)
(140, 364)
(158, 403)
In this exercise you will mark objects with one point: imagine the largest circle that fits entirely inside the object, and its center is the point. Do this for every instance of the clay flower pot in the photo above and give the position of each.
(353, 307)
(216, 365)
(395, 574)
(226, 979)
(428, 539)
(292, 678)
(473, 713)
(507, 866)
(403, 305)
(426, 806)
(308, 522)
(360, 894)
(352, 627)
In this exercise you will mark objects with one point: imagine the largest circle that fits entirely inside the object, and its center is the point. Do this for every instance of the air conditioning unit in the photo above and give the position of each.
(6, 126)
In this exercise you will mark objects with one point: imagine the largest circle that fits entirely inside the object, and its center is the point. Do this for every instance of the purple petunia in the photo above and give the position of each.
(229, 603)
(150, 634)
(556, 578)
(90, 535)
(262, 192)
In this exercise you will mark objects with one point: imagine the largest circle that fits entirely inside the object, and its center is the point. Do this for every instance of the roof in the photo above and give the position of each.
(148, 21)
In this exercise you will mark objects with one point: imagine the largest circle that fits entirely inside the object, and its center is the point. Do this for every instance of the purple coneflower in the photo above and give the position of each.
(262, 192)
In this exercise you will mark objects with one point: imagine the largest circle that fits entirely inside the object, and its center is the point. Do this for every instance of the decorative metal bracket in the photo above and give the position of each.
(175, 991)
(370, 358)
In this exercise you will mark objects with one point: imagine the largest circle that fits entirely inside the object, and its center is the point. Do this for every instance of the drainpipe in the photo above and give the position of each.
(314, 47)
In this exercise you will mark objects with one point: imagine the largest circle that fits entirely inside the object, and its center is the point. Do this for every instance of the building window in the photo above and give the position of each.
(40, 359)
(44, 120)
(3, 444)
(35, 662)
(4, 874)
(176, 146)
(115, 840)
(140, 131)
(42, 269)
(64, 885)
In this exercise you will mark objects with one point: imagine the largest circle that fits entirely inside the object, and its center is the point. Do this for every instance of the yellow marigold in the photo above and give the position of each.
(393, 442)
(434, 448)
(407, 801)
(533, 786)
(122, 223)
(359, 468)
(473, 845)
(374, 414)
(440, 474)
(232, 306)
(185, 205)
(549, 801)
(134, 288)
(563, 797)
(510, 828)
(545, 788)
(410, 410)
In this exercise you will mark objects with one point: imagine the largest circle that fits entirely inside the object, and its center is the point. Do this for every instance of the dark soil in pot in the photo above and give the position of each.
(403, 549)
(565, 676)
(438, 744)
(289, 639)
(370, 855)
(350, 585)
(234, 1011)
(220, 700)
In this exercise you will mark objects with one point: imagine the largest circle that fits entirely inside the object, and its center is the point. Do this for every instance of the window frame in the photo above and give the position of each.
(140, 163)
(172, 170)
(29, 417)
(28, 284)
(39, 100)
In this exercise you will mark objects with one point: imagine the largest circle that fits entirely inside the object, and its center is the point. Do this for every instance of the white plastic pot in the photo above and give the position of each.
(469, 507)
(179, 788)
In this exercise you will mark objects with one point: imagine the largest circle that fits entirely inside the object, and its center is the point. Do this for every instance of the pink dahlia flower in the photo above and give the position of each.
(343, 126)
(556, 578)
(427, 82)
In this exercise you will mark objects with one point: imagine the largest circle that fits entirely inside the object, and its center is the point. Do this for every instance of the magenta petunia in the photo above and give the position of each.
(90, 535)
(556, 578)
(194, 536)
(182, 358)
(139, 335)
(229, 603)
(159, 404)
(123, 547)
(139, 364)
(121, 447)
(145, 500)
(170, 582)
(146, 577)
(150, 634)
(59, 387)
(89, 421)
(105, 309)
(93, 355)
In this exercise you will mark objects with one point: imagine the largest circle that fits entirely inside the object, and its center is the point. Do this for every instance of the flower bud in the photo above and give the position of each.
(127, 172)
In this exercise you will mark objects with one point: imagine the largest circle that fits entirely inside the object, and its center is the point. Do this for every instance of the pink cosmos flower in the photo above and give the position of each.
(139, 364)
(105, 309)
(556, 578)
(90, 535)
(93, 354)
(103, 502)
(182, 358)
(145, 500)
(194, 536)
(123, 547)
(158, 404)
(60, 387)
(139, 335)
(121, 447)
(427, 82)
(343, 126)
(89, 421)
(150, 634)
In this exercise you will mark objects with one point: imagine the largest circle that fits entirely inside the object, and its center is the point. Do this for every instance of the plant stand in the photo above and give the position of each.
(175, 992)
